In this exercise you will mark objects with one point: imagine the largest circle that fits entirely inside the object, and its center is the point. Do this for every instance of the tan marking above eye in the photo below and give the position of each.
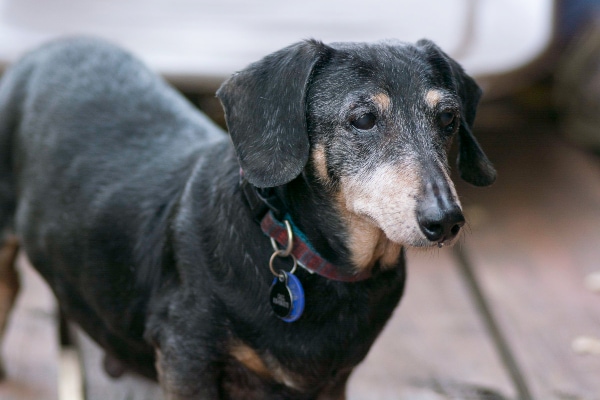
(433, 97)
(383, 100)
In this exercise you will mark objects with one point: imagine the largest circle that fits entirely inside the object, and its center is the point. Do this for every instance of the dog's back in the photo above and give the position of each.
(106, 104)
(92, 144)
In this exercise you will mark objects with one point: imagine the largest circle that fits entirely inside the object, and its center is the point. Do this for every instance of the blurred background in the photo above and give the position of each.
(513, 311)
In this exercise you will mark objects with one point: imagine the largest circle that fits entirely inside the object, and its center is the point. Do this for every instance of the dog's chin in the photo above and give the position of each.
(420, 242)
(423, 244)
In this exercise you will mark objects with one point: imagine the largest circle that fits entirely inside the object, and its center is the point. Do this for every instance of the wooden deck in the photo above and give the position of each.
(509, 313)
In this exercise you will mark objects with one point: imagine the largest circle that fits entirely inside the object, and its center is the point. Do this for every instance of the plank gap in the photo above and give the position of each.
(501, 344)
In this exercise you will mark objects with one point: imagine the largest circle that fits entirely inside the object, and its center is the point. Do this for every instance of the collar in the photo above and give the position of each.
(266, 208)
(307, 257)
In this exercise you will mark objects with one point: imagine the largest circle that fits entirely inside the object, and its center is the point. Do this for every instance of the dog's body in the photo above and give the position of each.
(128, 201)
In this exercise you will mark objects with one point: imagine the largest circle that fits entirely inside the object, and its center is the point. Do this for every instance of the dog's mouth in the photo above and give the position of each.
(380, 240)
(418, 234)
(425, 244)
(394, 207)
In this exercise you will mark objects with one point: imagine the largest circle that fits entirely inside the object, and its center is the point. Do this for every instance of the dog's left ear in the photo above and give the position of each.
(265, 113)
(473, 164)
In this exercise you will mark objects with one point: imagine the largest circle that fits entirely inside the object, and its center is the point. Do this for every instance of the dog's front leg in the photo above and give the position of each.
(182, 331)
(9, 286)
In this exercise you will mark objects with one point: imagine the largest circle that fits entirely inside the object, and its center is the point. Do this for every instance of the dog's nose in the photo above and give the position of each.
(440, 225)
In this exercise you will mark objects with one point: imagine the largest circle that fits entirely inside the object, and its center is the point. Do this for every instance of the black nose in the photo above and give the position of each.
(440, 225)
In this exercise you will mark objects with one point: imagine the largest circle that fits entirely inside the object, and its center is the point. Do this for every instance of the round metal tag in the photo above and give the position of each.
(287, 297)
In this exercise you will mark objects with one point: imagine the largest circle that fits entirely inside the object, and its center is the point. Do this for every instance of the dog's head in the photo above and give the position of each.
(373, 123)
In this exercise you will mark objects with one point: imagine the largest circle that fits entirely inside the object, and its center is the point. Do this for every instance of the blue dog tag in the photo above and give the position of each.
(287, 297)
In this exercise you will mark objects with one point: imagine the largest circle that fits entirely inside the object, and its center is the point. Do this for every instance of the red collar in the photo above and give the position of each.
(307, 257)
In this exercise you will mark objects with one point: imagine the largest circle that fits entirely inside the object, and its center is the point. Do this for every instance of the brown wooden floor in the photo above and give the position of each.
(494, 318)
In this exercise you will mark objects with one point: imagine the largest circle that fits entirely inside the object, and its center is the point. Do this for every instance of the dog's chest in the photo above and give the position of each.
(307, 355)
(299, 373)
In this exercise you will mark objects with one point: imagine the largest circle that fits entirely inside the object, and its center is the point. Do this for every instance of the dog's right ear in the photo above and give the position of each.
(265, 112)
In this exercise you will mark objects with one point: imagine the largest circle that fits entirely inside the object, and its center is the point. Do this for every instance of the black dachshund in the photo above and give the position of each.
(256, 265)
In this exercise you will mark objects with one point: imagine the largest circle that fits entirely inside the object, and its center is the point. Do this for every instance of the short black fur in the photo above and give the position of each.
(127, 200)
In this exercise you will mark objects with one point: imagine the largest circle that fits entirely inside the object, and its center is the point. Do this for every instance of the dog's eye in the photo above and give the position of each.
(364, 122)
(448, 121)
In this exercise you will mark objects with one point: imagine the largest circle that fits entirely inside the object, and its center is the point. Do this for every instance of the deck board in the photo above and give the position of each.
(435, 346)
(535, 238)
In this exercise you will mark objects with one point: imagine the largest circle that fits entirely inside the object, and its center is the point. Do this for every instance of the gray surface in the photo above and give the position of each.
(197, 43)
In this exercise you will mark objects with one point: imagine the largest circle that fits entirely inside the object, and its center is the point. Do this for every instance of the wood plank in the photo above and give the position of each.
(435, 346)
(535, 237)
(31, 348)
(99, 386)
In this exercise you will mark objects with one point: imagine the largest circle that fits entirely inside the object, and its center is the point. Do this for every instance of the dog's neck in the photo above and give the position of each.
(270, 211)
(307, 257)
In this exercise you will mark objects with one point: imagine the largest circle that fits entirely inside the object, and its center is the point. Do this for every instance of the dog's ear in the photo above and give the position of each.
(265, 112)
(473, 164)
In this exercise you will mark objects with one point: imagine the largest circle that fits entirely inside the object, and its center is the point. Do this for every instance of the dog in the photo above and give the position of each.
(258, 264)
